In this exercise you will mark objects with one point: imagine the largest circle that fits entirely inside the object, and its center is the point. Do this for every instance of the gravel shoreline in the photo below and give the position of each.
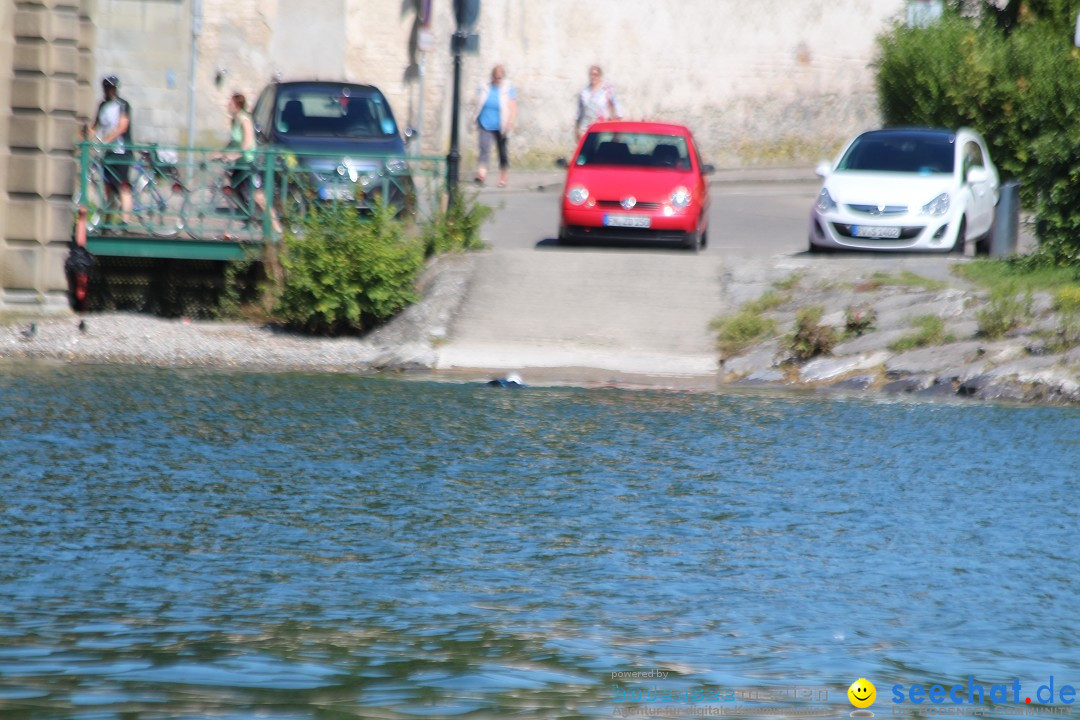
(406, 343)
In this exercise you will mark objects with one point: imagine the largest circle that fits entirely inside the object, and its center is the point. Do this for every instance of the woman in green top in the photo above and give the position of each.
(240, 152)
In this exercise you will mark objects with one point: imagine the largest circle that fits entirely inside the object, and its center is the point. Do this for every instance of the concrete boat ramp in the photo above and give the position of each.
(592, 313)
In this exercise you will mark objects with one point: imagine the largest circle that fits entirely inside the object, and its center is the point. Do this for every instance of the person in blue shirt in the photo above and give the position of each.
(495, 118)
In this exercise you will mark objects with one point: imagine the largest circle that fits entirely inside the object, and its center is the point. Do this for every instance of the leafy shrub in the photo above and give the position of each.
(455, 227)
(859, 319)
(346, 273)
(1007, 310)
(1021, 90)
(811, 338)
(741, 330)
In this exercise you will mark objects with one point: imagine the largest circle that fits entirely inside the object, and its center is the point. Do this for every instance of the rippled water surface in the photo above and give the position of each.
(193, 544)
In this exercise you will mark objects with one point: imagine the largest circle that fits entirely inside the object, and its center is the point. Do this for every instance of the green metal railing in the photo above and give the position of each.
(189, 203)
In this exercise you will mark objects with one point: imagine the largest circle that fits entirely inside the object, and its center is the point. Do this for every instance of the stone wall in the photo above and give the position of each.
(148, 46)
(772, 81)
(41, 42)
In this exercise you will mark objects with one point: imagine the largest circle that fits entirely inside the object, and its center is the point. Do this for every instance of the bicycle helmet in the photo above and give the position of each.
(110, 81)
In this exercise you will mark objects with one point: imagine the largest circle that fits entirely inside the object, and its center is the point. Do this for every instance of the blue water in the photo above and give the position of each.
(195, 544)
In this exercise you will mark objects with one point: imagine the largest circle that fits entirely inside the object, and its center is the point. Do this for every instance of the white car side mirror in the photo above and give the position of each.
(822, 169)
(977, 175)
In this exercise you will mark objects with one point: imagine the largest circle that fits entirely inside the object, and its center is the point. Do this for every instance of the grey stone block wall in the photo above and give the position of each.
(46, 48)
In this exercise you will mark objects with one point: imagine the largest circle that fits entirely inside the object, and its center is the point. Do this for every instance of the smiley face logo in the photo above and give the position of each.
(862, 693)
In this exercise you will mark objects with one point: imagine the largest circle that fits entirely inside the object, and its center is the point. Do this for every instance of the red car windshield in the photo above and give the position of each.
(645, 150)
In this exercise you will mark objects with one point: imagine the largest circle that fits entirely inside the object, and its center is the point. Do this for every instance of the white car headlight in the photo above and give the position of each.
(938, 206)
(824, 201)
(680, 197)
(577, 195)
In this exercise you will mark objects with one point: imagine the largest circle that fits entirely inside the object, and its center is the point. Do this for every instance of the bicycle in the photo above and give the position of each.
(230, 204)
(157, 193)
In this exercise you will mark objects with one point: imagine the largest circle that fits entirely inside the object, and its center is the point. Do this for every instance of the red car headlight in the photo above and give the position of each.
(680, 198)
(577, 194)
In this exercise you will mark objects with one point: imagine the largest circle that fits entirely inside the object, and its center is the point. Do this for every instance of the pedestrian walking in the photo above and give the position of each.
(597, 101)
(495, 117)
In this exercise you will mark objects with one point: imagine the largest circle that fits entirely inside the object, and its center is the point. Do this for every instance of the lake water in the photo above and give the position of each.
(196, 544)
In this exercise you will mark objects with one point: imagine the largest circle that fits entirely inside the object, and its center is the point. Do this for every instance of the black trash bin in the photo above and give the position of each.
(1005, 234)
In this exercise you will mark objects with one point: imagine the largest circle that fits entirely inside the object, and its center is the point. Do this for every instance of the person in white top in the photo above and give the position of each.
(112, 127)
(597, 101)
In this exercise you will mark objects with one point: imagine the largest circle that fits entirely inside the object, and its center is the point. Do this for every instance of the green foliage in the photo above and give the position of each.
(905, 279)
(789, 283)
(1021, 90)
(1006, 311)
(741, 330)
(930, 330)
(455, 228)
(1017, 274)
(346, 273)
(811, 338)
(770, 300)
(1067, 299)
(858, 320)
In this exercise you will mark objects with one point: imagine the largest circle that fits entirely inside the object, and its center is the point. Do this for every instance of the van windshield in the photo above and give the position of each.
(337, 112)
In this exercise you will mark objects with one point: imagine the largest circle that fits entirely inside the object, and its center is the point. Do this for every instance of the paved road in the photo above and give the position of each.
(759, 219)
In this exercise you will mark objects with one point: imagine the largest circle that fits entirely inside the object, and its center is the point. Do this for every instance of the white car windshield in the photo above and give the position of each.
(907, 152)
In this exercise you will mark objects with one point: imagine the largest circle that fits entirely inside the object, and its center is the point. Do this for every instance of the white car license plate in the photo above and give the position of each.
(875, 231)
(629, 221)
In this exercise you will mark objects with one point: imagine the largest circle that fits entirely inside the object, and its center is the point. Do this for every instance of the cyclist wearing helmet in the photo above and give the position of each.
(112, 126)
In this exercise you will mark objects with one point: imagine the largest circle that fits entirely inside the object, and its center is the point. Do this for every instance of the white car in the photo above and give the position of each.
(906, 189)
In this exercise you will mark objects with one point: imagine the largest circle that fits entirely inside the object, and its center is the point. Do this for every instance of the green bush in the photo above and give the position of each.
(345, 273)
(1021, 90)
(455, 228)
(811, 338)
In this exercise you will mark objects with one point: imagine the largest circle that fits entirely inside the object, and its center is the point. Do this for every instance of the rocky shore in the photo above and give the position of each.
(891, 352)
(923, 335)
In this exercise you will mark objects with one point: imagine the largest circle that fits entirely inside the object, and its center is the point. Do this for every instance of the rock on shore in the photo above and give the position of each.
(1028, 364)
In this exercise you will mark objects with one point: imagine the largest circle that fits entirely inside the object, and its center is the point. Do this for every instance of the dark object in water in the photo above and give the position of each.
(510, 381)
(29, 331)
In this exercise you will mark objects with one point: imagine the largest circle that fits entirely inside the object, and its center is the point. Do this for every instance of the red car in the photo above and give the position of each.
(633, 181)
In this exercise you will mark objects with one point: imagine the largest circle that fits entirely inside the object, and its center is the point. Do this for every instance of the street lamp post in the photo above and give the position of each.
(466, 13)
(453, 160)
